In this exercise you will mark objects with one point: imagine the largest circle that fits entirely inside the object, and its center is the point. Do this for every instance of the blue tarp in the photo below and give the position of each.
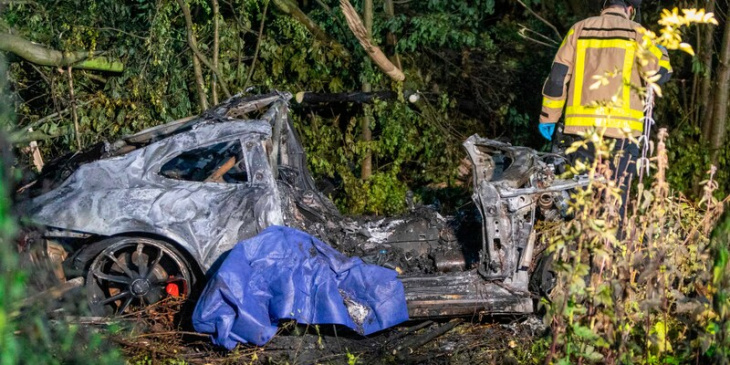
(283, 273)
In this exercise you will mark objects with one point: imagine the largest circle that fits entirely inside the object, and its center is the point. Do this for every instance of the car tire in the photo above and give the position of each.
(135, 272)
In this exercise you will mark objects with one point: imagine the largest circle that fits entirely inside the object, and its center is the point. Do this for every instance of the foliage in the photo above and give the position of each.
(336, 154)
(470, 73)
(27, 334)
(639, 296)
(635, 289)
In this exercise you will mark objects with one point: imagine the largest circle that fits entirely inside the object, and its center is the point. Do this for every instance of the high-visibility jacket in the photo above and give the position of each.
(595, 46)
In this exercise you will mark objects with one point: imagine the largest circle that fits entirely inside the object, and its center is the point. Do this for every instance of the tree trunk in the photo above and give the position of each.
(197, 70)
(719, 103)
(366, 169)
(43, 56)
(193, 44)
(706, 93)
(216, 50)
(258, 46)
(390, 38)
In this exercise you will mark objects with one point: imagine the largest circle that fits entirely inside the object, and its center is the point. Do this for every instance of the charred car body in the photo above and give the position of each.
(153, 212)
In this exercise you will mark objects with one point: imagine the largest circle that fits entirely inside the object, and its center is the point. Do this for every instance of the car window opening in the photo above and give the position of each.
(220, 163)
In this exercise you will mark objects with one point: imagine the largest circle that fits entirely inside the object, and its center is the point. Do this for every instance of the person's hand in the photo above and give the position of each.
(547, 129)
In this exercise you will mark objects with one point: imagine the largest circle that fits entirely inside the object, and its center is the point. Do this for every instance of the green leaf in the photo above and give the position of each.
(584, 333)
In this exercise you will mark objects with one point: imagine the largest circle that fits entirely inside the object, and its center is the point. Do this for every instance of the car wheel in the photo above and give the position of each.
(135, 272)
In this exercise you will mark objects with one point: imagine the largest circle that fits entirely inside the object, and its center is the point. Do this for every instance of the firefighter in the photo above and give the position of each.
(595, 46)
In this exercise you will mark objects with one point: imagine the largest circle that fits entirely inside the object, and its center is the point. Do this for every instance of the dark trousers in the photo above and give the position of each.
(623, 163)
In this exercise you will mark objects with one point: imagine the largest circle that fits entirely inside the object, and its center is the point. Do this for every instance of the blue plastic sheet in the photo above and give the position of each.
(283, 273)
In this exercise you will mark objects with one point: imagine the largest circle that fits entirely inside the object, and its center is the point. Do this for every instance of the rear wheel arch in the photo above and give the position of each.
(86, 254)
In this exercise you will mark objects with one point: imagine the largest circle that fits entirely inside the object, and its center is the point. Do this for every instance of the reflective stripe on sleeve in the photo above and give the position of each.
(571, 31)
(553, 104)
(665, 63)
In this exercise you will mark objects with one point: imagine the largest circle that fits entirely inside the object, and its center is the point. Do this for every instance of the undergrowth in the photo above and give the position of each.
(29, 334)
(649, 287)
(642, 288)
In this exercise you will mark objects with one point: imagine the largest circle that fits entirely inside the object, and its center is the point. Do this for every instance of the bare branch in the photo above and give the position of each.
(73, 108)
(546, 38)
(560, 37)
(522, 34)
(193, 43)
(377, 55)
(258, 46)
(216, 49)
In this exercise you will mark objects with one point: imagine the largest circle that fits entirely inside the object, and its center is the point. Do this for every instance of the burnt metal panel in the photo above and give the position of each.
(127, 194)
(462, 294)
(508, 183)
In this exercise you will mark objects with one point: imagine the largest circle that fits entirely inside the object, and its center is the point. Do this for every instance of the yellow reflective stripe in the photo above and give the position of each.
(604, 111)
(604, 122)
(665, 64)
(628, 65)
(553, 104)
(571, 31)
(582, 46)
(607, 43)
(629, 47)
(580, 64)
(656, 51)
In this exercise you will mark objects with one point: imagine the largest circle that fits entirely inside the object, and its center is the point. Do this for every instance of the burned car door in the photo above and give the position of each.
(217, 195)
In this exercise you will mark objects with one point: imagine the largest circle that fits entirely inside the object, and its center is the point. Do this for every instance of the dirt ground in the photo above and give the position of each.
(156, 335)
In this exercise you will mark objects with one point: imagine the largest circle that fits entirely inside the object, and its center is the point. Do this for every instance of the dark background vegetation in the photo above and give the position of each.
(479, 66)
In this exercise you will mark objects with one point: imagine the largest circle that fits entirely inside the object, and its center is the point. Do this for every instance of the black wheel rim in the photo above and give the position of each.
(133, 273)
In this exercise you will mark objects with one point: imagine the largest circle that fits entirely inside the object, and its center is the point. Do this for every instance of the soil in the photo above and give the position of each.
(154, 335)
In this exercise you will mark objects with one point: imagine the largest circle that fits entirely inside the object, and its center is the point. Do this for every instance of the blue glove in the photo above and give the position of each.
(547, 129)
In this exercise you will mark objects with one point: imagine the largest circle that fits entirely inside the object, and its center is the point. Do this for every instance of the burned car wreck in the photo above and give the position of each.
(147, 216)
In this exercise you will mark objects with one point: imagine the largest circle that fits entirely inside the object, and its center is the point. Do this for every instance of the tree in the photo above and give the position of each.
(720, 100)
(705, 93)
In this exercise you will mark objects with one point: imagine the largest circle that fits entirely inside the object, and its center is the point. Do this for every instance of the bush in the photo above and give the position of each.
(649, 294)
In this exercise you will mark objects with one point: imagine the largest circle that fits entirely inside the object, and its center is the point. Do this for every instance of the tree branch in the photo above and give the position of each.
(258, 46)
(390, 38)
(522, 33)
(193, 43)
(216, 49)
(73, 108)
(40, 55)
(57, 114)
(291, 8)
(358, 29)
(560, 37)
